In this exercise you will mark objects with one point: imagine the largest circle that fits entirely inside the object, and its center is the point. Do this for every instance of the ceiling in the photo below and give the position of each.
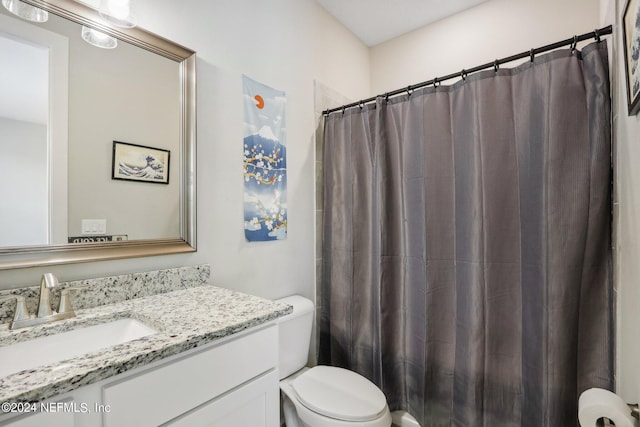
(376, 21)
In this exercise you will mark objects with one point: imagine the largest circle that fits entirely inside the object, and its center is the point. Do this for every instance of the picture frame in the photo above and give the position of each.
(631, 37)
(133, 162)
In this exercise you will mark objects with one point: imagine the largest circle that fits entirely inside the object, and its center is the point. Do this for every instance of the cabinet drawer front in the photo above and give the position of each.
(161, 394)
(256, 404)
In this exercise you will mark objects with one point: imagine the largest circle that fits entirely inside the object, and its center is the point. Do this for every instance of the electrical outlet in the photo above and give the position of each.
(94, 226)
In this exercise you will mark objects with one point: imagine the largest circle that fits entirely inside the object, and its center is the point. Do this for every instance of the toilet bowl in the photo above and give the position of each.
(325, 396)
(322, 396)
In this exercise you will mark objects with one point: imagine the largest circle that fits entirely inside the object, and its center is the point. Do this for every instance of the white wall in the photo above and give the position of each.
(285, 44)
(626, 153)
(491, 30)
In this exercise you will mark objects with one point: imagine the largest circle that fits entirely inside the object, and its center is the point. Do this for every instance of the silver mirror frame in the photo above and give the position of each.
(42, 256)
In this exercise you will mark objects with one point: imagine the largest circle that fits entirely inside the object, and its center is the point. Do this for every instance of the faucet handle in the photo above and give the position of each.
(65, 301)
(21, 312)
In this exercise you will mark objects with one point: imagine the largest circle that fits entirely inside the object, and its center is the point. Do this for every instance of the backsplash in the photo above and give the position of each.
(113, 289)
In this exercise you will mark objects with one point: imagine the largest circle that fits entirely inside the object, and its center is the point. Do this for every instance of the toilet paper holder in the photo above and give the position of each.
(635, 410)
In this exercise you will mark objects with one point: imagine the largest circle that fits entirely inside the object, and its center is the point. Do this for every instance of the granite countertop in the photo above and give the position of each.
(184, 319)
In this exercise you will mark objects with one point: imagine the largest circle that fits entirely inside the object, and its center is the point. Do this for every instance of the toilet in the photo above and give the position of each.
(322, 396)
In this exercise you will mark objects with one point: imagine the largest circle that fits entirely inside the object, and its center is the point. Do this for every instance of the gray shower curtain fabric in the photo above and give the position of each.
(467, 244)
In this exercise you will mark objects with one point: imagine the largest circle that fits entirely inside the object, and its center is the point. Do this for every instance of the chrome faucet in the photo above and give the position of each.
(44, 303)
(21, 317)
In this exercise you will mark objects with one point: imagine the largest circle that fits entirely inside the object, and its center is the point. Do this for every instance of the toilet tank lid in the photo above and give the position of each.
(340, 394)
(300, 304)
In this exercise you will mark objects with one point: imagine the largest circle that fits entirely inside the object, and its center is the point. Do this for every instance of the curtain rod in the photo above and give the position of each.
(495, 64)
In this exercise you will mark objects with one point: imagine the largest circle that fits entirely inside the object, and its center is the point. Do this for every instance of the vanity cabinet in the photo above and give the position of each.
(231, 382)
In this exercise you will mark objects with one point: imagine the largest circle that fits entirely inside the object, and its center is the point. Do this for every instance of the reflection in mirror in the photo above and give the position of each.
(23, 135)
(33, 134)
(61, 182)
(113, 95)
(124, 94)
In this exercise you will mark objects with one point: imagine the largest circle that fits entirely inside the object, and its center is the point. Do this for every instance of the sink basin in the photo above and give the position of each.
(66, 345)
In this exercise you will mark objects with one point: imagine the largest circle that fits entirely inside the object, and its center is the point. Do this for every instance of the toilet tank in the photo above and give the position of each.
(294, 331)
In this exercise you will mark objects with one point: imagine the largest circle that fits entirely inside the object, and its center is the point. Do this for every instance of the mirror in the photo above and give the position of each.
(141, 94)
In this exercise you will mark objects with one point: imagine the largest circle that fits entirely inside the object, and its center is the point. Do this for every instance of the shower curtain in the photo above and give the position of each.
(466, 244)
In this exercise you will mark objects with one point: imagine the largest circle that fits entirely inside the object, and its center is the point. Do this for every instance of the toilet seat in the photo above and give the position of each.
(339, 394)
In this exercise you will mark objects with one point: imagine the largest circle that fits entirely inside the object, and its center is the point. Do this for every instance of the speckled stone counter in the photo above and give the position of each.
(112, 289)
(185, 319)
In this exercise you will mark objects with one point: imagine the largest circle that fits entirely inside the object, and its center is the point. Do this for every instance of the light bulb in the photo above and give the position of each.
(26, 11)
(98, 39)
(118, 9)
(118, 12)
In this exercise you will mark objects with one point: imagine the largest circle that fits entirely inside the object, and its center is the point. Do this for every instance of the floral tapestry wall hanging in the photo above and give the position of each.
(264, 162)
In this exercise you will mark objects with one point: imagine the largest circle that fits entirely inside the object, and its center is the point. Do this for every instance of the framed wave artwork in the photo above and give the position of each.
(132, 162)
(631, 35)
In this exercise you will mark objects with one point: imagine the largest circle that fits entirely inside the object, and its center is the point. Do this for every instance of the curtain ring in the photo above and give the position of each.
(574, 44)
(531, 55)
(361, 105)
(597, 35)
(436, 83)
(386, 97)
(496, 65)
(409, 90)
(463, 74)
(343, 109)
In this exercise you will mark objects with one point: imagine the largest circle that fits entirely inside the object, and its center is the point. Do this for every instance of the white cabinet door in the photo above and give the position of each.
(255, 404)
(78, 408)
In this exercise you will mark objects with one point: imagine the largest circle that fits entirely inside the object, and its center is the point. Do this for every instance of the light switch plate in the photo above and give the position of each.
(92, 227)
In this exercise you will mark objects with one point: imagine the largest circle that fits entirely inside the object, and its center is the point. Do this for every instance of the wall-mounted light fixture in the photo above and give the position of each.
(118, 12)
(26, 11)
(98, 38)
